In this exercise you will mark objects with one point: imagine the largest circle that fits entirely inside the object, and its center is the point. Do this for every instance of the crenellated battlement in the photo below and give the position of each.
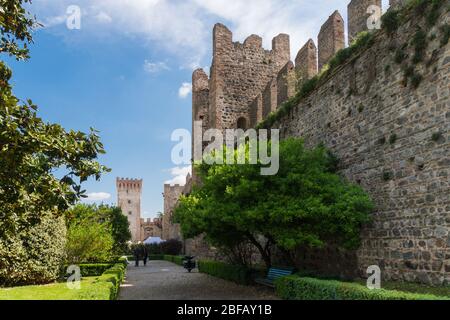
(248, 82)
(127, 183)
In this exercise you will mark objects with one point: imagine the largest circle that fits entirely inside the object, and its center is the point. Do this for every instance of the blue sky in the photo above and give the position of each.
(127, 72)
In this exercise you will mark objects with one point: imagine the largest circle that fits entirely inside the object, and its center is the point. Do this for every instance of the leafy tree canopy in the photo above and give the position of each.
(110, 218)
(306, 203)
(16, 26)
(32, 151)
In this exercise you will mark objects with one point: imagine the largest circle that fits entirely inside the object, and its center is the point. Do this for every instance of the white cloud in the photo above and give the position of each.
(179, 175)
(103, 17)
(183, 27)
(185, 90)
(155, 67)
(98, 196)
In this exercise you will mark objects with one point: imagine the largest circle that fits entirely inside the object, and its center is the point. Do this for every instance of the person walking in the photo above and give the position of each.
(136, 254)
(145, 254)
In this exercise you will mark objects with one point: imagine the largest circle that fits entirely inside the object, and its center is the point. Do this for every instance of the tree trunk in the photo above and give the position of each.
(265, 252)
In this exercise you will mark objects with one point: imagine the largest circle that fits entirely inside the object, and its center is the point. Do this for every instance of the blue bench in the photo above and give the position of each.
(273, 274)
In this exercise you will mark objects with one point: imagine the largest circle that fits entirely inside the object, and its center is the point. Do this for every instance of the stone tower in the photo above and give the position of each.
(331, 38)
(129, 200)
(358, 15)
(239, 72)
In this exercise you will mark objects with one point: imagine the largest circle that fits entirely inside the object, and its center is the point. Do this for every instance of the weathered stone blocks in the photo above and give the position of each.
(331, 38)
(306, 61)
(358, 16)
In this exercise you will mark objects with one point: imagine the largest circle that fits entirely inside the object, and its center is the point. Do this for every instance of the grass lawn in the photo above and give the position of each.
(414, 288)
(91, 289)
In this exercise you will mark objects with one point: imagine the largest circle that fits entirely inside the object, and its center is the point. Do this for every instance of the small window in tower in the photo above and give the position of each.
(130, 213)
(129, 201)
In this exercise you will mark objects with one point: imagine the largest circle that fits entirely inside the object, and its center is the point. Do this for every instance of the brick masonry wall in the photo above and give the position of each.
(382, 131)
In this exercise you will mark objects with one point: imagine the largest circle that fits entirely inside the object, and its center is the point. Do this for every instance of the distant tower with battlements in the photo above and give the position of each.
(129, 200)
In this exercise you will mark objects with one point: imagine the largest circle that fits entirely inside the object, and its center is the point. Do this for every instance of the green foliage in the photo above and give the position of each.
(32, 198)
(416, 80)
(31, 151)
(436, 136)
(16, 26)
(387, 175)
(306, 203)
(298, 288)
(104, 287)
(171, 247)
(113, 277)
(391, 21)
(237, 274)
(393, 138)
(111, 218)
(174, 259)
(400, 55)
(94, 269)
(89, 241)
(35, 254)
(434, 13)
(419, 42)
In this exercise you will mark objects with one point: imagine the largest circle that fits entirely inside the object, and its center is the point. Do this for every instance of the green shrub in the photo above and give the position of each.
(237, 274)
(34, 254)
(420, 44)
(391, 21)
(111, 279)
(89, 242)
(298, 288)
(94, 269)
(171, 247)
(174, 259)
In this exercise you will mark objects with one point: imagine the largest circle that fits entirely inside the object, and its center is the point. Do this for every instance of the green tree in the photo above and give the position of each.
(111, 218)
(89, 242)
(306, 203)
(16, 25)
(32, 150)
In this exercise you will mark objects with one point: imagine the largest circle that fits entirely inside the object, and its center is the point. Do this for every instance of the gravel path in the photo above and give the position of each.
(161, 280)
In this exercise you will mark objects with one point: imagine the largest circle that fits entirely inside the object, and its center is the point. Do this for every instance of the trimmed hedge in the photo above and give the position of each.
(104, 287)
(174, 259)
(92, 269)
(112, 278)
(298, 288)
(237, 274)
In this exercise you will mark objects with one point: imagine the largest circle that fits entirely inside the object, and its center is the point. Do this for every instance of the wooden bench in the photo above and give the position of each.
(273, 274)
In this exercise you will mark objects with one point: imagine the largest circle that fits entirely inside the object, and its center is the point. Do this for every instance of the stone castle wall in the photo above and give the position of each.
(384, 132)
(171, 196)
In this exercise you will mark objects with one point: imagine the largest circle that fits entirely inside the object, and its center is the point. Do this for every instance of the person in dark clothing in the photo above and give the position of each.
(144, 254)
(136, 253)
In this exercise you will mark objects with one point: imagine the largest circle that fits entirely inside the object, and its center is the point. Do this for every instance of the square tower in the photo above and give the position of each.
(129, 193)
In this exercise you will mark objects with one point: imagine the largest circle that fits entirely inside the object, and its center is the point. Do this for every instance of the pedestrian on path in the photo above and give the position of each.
(145, 254)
